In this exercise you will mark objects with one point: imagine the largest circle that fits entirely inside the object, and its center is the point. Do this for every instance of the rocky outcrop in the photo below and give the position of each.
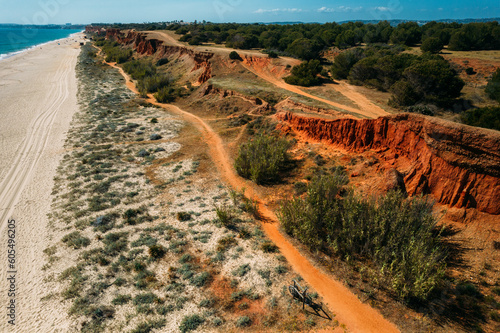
(458, 165)
(98, 30)
(146, 46)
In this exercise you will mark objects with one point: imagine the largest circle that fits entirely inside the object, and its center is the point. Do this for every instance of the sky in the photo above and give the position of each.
(126, 11)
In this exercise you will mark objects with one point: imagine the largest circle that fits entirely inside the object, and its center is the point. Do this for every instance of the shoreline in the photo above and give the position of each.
(38, 89)
(4, 56)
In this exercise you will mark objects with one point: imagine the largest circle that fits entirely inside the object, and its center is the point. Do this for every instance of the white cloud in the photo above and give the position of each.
(278, 10)
(339, 9)
(383, 9)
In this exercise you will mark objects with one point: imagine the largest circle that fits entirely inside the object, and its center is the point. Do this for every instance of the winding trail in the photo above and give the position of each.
(349, 310)
(366, 107)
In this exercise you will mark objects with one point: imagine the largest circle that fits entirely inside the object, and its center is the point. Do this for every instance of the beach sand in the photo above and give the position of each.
(38, 91)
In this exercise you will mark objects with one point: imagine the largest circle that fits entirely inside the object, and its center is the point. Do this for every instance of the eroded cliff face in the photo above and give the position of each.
(458, 165)
(142, 45)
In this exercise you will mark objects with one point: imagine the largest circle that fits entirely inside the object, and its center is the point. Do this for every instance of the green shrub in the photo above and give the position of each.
(115, 243)
(166, 95)
(224, 214)
(269, 247)
(183, 216)
(114, 53)
(147, 298)
(243, 321)
(121, 299)
(262, 159)
(242, 270)
(234, 56)
(190, 323)
(396, 234)
(493, 87)
(305, 74)
(161, 62)
(225, 243)
(76, 240)
(487, 117)
(148, 326)
(153, 83)
(157, 252)
(432, 45)
(139, 69)
(200, 280)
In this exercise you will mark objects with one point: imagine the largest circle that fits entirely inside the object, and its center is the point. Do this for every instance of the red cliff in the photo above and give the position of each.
(458, 165)
(143, 45)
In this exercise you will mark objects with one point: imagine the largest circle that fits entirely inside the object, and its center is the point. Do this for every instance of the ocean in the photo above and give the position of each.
(15, 40)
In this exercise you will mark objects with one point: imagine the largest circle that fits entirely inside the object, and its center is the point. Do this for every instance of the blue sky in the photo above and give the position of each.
(87, 11)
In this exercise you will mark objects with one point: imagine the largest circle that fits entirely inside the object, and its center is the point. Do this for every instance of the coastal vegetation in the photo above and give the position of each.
(126, 260)
(394, 235)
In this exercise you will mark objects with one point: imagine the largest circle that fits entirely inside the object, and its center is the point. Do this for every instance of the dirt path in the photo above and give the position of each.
(349, 310)
(366, 108)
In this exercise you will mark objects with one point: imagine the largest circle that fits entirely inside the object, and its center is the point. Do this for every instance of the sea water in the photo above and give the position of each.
(15, 40)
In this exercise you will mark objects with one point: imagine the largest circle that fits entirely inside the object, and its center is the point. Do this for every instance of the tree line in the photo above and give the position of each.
(306, 41)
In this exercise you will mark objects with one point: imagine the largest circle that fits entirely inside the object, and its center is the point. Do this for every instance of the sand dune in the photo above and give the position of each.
(38, 99)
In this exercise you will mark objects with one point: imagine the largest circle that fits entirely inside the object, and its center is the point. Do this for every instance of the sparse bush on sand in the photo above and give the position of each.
(190, 323)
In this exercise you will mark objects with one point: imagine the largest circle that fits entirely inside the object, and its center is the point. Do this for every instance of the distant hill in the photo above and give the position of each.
(395, 22)
(422, 22)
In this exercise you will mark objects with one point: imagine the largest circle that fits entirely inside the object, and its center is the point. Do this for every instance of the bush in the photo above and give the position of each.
(493, 86)
(148, 326)
(234, 56)
(200, 280)
(272, 54)
(225, 243)
(157, 252)
(262, 159)
(243, 321)
(305, 74)
(143, 153)
(190, 323)
(76, 240)
(115, 243)
(166, 95)
(139, 69)
(183, 216)
(154, 137)
(432, 45)
(488, 117)
(114, 53)
(242, 270)
(121, 299)
(161, 62)
(224, 215)
(153, 83)
(147, 298)
(269, 247)
(396, 234)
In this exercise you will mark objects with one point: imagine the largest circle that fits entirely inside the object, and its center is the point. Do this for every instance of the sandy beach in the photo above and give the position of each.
(38, 99)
